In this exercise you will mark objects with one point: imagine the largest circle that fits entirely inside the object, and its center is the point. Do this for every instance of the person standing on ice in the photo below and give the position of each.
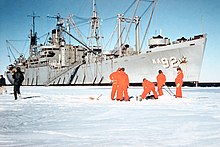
(179, 82)
(123, 84)
(148, 87)
(161, 81)
(2, 85)
(18, 79)
(114, 79)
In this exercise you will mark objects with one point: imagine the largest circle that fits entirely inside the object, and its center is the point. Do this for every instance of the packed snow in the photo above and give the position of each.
(66, 116)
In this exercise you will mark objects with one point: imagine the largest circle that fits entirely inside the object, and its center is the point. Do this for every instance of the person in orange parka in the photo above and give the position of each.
(179, 82)
(161, 81)
(123, 84)
(148, 87)
(114, 78)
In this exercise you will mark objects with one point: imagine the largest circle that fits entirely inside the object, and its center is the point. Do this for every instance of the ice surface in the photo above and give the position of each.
(65, 116)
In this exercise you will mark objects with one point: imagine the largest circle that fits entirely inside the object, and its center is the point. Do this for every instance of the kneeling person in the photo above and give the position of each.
(148, 87)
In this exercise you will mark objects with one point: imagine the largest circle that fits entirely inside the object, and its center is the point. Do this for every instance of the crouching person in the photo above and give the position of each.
(148, 87)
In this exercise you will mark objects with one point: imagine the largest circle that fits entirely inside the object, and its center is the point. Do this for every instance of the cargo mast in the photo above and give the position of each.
(95, 39)
(33, 37)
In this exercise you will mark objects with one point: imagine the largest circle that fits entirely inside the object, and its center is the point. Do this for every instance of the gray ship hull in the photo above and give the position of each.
(187, 55)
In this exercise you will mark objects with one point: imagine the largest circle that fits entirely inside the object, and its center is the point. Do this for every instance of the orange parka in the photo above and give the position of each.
(161, 81)
(123, 83)
(114, 78)
(179, 83)
(179, 78)
(148, 87)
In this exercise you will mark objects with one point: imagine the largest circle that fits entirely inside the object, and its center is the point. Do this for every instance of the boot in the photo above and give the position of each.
(15, 95)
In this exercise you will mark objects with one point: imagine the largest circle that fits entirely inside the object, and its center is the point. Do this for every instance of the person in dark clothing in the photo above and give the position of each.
(2, 84)
(18, 79)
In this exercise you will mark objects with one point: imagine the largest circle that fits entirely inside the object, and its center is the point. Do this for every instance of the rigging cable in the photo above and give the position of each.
(8, 48)
(111, 36)
(146, 10)
(132, 20)
(130, 7)
(7, 41)
(148, 23)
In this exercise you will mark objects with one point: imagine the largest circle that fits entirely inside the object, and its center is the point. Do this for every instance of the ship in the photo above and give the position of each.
(57, 62)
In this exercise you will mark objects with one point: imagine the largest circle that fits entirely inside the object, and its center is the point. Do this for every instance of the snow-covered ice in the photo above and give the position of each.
(65, 116)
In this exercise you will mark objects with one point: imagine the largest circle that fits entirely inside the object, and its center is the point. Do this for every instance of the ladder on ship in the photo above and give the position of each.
(76, 65)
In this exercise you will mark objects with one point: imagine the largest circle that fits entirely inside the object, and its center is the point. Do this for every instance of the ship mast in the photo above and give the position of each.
(134, 19)
(33, 37)
(95, 42)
